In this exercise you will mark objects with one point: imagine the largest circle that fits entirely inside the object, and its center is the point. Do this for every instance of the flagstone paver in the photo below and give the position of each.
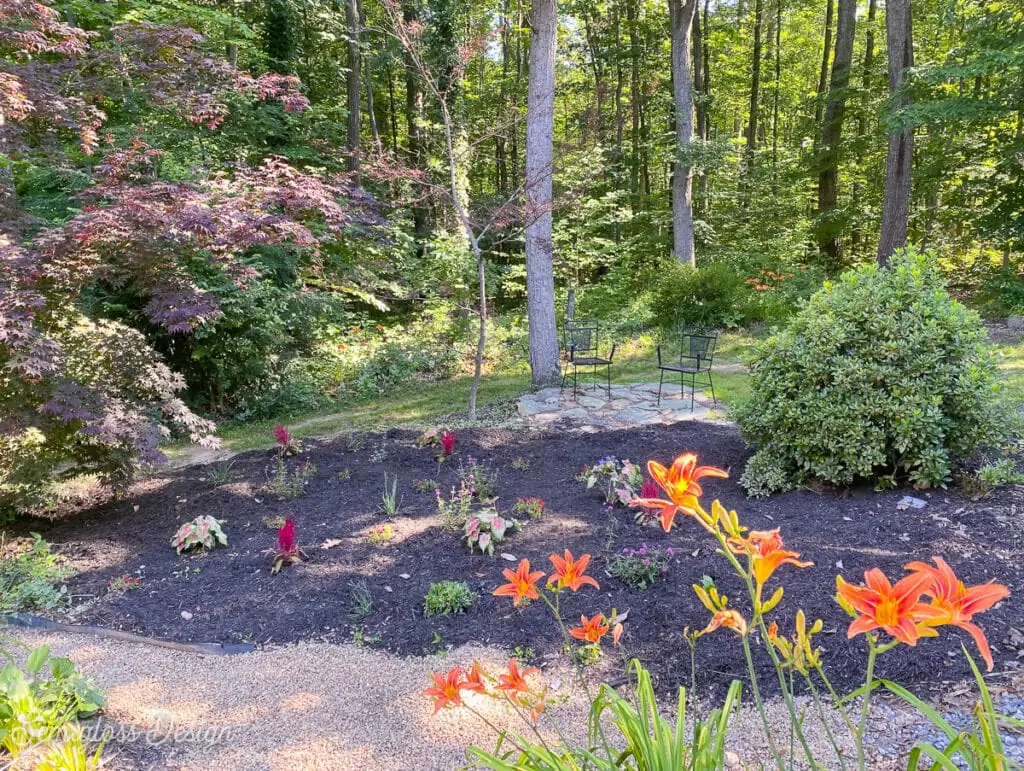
(636, 404)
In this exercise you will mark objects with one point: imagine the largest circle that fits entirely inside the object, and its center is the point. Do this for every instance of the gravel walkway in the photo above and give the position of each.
(337, 707)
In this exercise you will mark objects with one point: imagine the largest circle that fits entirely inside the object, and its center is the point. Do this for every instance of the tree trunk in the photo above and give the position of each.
(540, 126)
(392, 116)
(414, 119)
(831, 135)
(819, 103)
(634, 99)
(869, 62)
(352, 24)
(896, 203)
(755, 85)
(775, 97)
(371, 110)
(681, 16)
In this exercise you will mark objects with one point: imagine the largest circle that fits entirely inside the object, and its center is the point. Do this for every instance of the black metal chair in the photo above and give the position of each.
(580, 343)
(696, 354)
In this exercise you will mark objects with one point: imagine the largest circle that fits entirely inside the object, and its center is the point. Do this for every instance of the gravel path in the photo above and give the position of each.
(321, 706)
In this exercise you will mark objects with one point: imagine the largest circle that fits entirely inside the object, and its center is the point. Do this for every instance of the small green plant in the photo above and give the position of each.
(479, 477)
(1001, 472)
(360, 639)
(390, 503)
(483, 532)
(381, 535)
(641, 567)
(362, 600)
(288, 485)
(521, 464)
(454, 512)
(530, 507)
(424, 485)
(618, 480)
(124, 583)
(524, 656)
(447, 597)
(273, 522)
(344, 475)
(29, 578)
(38, 700)
(220, 473)
(203, 532)
(588, 655)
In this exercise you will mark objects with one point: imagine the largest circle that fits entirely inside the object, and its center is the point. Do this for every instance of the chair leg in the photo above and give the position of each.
(565, 373)
(712, 384)
(693, 389)
(608, 380)
(661, 381)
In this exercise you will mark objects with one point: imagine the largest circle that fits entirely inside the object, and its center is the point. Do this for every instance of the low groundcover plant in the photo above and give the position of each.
(928, 598)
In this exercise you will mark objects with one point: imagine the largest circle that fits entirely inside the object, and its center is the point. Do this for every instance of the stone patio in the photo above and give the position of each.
(634, 404)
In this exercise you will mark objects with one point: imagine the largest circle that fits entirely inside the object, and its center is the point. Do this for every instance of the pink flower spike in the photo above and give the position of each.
(448, 442)
(282, 435)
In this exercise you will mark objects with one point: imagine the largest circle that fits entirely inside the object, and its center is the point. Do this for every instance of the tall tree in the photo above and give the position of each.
(352, 80)
(414, 116)
(681, 17)
(831, 135)
(540, 125)
(896, 203)
(826, 56)
(755, 84)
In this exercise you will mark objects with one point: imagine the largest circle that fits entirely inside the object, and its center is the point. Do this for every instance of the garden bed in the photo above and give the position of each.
(228, 595)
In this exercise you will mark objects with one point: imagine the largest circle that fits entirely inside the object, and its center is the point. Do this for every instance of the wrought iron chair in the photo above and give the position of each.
(580, 342)
(696, 354)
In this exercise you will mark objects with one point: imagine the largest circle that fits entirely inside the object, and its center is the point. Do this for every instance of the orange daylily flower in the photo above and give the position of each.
(680, 483)
(617, 631)
(474, 680)
(729, 619)
(535, 713)
(592, 630)
(766, 553)
(521, 584)
(569, 572)
(515, 681)
(959, 603)
(445, 690)
(897, 610)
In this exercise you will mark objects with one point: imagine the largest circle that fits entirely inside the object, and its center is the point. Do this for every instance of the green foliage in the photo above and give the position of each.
(479, 477)
(530, 507)
(882, 373)
(641, 567)
(39, 699)
(485, 531)
(381, 534)
(362, 600)
(389, 500)
(289, 485)
(424, 485)
(29, 580)
(447, 597)
(714, 296)
(618, 480)
(203, 532)
(454, 512)
(1002, 293)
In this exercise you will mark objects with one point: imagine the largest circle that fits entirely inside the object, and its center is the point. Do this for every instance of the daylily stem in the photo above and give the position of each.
(824, 721)
(760, 704)
(869, 680)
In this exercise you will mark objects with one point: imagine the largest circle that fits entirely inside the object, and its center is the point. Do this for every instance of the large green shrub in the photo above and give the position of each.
(712, 296)
(882, 375)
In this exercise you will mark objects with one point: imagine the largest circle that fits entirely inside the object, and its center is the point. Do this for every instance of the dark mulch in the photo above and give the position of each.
(233, 597)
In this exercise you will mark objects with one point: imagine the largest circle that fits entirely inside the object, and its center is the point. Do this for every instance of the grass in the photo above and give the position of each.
(1011, 362)
(418, 405)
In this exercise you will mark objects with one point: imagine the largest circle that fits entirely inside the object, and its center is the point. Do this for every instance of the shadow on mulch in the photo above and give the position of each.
(232, 596)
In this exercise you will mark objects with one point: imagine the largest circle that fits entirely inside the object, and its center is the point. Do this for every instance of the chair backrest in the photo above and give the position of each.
(699, 347)
(580, 337)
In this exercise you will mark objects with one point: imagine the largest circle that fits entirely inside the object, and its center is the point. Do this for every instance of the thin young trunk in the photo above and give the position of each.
(514, 149)
(352, 24)
(370, 109)
(831, 135)
(819, 103)
(869, 63)
(775, 97)
(392, 113)
(697, 45)
(540, 125)
(634, 99)
(500, 153)
(896, 202)
(619, 114)
(681, 16)
(755, 85)
(414, 119)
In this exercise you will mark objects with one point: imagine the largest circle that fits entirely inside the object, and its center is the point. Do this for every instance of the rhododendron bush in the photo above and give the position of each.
(80, 389)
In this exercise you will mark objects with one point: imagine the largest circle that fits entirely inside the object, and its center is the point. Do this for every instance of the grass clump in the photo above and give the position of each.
(447, 597)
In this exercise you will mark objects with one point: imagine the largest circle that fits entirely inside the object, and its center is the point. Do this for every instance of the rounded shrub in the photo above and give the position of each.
(712, 297)
(882, 376)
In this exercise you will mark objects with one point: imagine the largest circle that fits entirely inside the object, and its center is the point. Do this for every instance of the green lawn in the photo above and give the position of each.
(422, 404)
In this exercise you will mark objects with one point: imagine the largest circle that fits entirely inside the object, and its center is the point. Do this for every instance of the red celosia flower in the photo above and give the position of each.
(515, 681)
(569, 573)
(894, 609)
(521, 584)
(445, 690)
(286, 537)
(282, 436)
(447, 443)
(592, 629)
(958, 603)
(680, 482)
(649, 489)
